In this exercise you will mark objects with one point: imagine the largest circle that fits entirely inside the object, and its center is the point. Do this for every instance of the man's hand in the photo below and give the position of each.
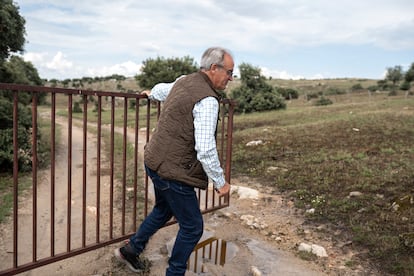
(224, 190)
(146, 92)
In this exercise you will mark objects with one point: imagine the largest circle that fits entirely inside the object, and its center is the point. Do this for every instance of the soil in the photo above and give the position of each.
(268, 247)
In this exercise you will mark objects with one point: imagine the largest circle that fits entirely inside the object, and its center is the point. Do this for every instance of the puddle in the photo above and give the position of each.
(212, 251)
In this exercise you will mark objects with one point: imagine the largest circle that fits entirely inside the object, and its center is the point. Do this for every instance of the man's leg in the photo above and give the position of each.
(154, 221)
(185, 207)
(159, 215)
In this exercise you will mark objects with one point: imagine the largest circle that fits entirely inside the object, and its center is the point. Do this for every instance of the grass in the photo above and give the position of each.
(6, 192)
(25, 178)
(322, 154)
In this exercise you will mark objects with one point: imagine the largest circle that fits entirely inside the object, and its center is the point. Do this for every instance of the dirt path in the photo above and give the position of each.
(269, 249)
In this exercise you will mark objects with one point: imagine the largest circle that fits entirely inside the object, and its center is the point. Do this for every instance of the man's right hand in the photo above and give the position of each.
(224, 190)
(146, 92)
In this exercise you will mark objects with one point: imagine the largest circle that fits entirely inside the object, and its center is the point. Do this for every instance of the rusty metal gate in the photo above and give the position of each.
(93, 191)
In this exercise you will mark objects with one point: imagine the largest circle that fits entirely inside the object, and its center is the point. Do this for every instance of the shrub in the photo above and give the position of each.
(323, 101)
(357, 87)
(405, 86)
(288, 93)
(77, 108)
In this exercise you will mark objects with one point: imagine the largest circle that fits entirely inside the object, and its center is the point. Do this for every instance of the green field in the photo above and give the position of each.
(352, 161)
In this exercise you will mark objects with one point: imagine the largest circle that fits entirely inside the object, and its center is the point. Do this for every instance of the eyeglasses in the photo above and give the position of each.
(228, 72)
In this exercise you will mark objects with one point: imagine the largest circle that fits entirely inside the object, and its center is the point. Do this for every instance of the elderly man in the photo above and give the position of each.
(182, 155)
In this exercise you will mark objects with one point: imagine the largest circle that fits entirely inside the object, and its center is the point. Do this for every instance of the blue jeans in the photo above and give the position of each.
(172, 198)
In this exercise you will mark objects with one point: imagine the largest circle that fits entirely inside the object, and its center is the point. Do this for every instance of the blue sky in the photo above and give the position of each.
(287, 39)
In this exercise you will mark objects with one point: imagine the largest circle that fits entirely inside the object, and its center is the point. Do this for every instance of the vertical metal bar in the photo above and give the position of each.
(52, 173)
(34, 176)
(146, 140)
(210, 252)
(229, 141)
(203, 257)
(134, 209)
(84, 171)
(98, 170)
(124, 157)
(223, 252)
(111, 156)
(195, 260)
(69, 203)
(206, 199)
(223, 119)
(15, 177)
(217, 248)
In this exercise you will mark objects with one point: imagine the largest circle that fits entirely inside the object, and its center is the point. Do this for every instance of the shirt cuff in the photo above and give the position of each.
(219, 185)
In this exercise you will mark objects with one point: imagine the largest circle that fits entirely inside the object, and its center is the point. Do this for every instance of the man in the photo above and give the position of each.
(182, 155)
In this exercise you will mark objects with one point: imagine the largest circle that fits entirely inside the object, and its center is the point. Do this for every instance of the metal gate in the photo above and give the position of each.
(93, 192)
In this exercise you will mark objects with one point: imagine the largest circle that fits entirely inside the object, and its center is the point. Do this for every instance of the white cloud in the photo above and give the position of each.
(127, 69)
(59, 63)
(278, 74)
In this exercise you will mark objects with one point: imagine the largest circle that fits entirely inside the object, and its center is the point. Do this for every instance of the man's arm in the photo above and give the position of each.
(205, 115)
(160, 91)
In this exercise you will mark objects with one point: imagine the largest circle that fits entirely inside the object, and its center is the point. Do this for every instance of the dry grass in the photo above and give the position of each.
(319, 156)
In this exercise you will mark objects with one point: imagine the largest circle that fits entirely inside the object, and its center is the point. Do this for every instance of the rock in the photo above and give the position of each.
(311, 211)
(319, 251)
(254, 271)
(272, 169)
(355, 194)
(91, 209)
(314, 248)
(305, 247)
(254, 143)
(245, 192)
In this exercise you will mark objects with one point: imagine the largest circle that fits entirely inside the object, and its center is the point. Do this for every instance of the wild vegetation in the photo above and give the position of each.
(350, 165)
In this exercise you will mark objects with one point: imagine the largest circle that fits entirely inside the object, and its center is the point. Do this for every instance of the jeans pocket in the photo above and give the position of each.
(159, 183)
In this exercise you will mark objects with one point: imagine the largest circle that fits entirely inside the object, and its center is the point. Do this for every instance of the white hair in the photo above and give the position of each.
(213, 55)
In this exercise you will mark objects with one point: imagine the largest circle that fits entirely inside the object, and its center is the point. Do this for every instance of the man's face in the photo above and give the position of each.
(222, 74)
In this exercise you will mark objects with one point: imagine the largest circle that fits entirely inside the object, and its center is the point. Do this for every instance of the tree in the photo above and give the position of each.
(12, 29)
(15, 70)
(394, 74)
(409, 75)
(22, 72)
(255, 94)
(160, 69)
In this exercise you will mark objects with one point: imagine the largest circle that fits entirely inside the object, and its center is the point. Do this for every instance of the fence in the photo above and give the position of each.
(93, 192)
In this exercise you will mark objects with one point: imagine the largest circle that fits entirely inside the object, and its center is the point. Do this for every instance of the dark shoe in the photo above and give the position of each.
(125, 255)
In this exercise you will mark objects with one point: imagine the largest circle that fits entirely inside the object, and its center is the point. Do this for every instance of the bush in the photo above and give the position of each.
(255, 94)
(77, 108)
(357, 87)
(6, 136)
(405, 86)
(334, 91)
(373, 88)
(313, 95)
(288, 93)
(323, 101)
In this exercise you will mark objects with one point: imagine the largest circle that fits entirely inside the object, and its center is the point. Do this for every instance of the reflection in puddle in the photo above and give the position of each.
(211, 250)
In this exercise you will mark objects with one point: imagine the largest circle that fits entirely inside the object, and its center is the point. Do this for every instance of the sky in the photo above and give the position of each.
(288, 39)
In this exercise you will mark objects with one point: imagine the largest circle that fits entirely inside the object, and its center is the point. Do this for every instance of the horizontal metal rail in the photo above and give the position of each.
(93, 192)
